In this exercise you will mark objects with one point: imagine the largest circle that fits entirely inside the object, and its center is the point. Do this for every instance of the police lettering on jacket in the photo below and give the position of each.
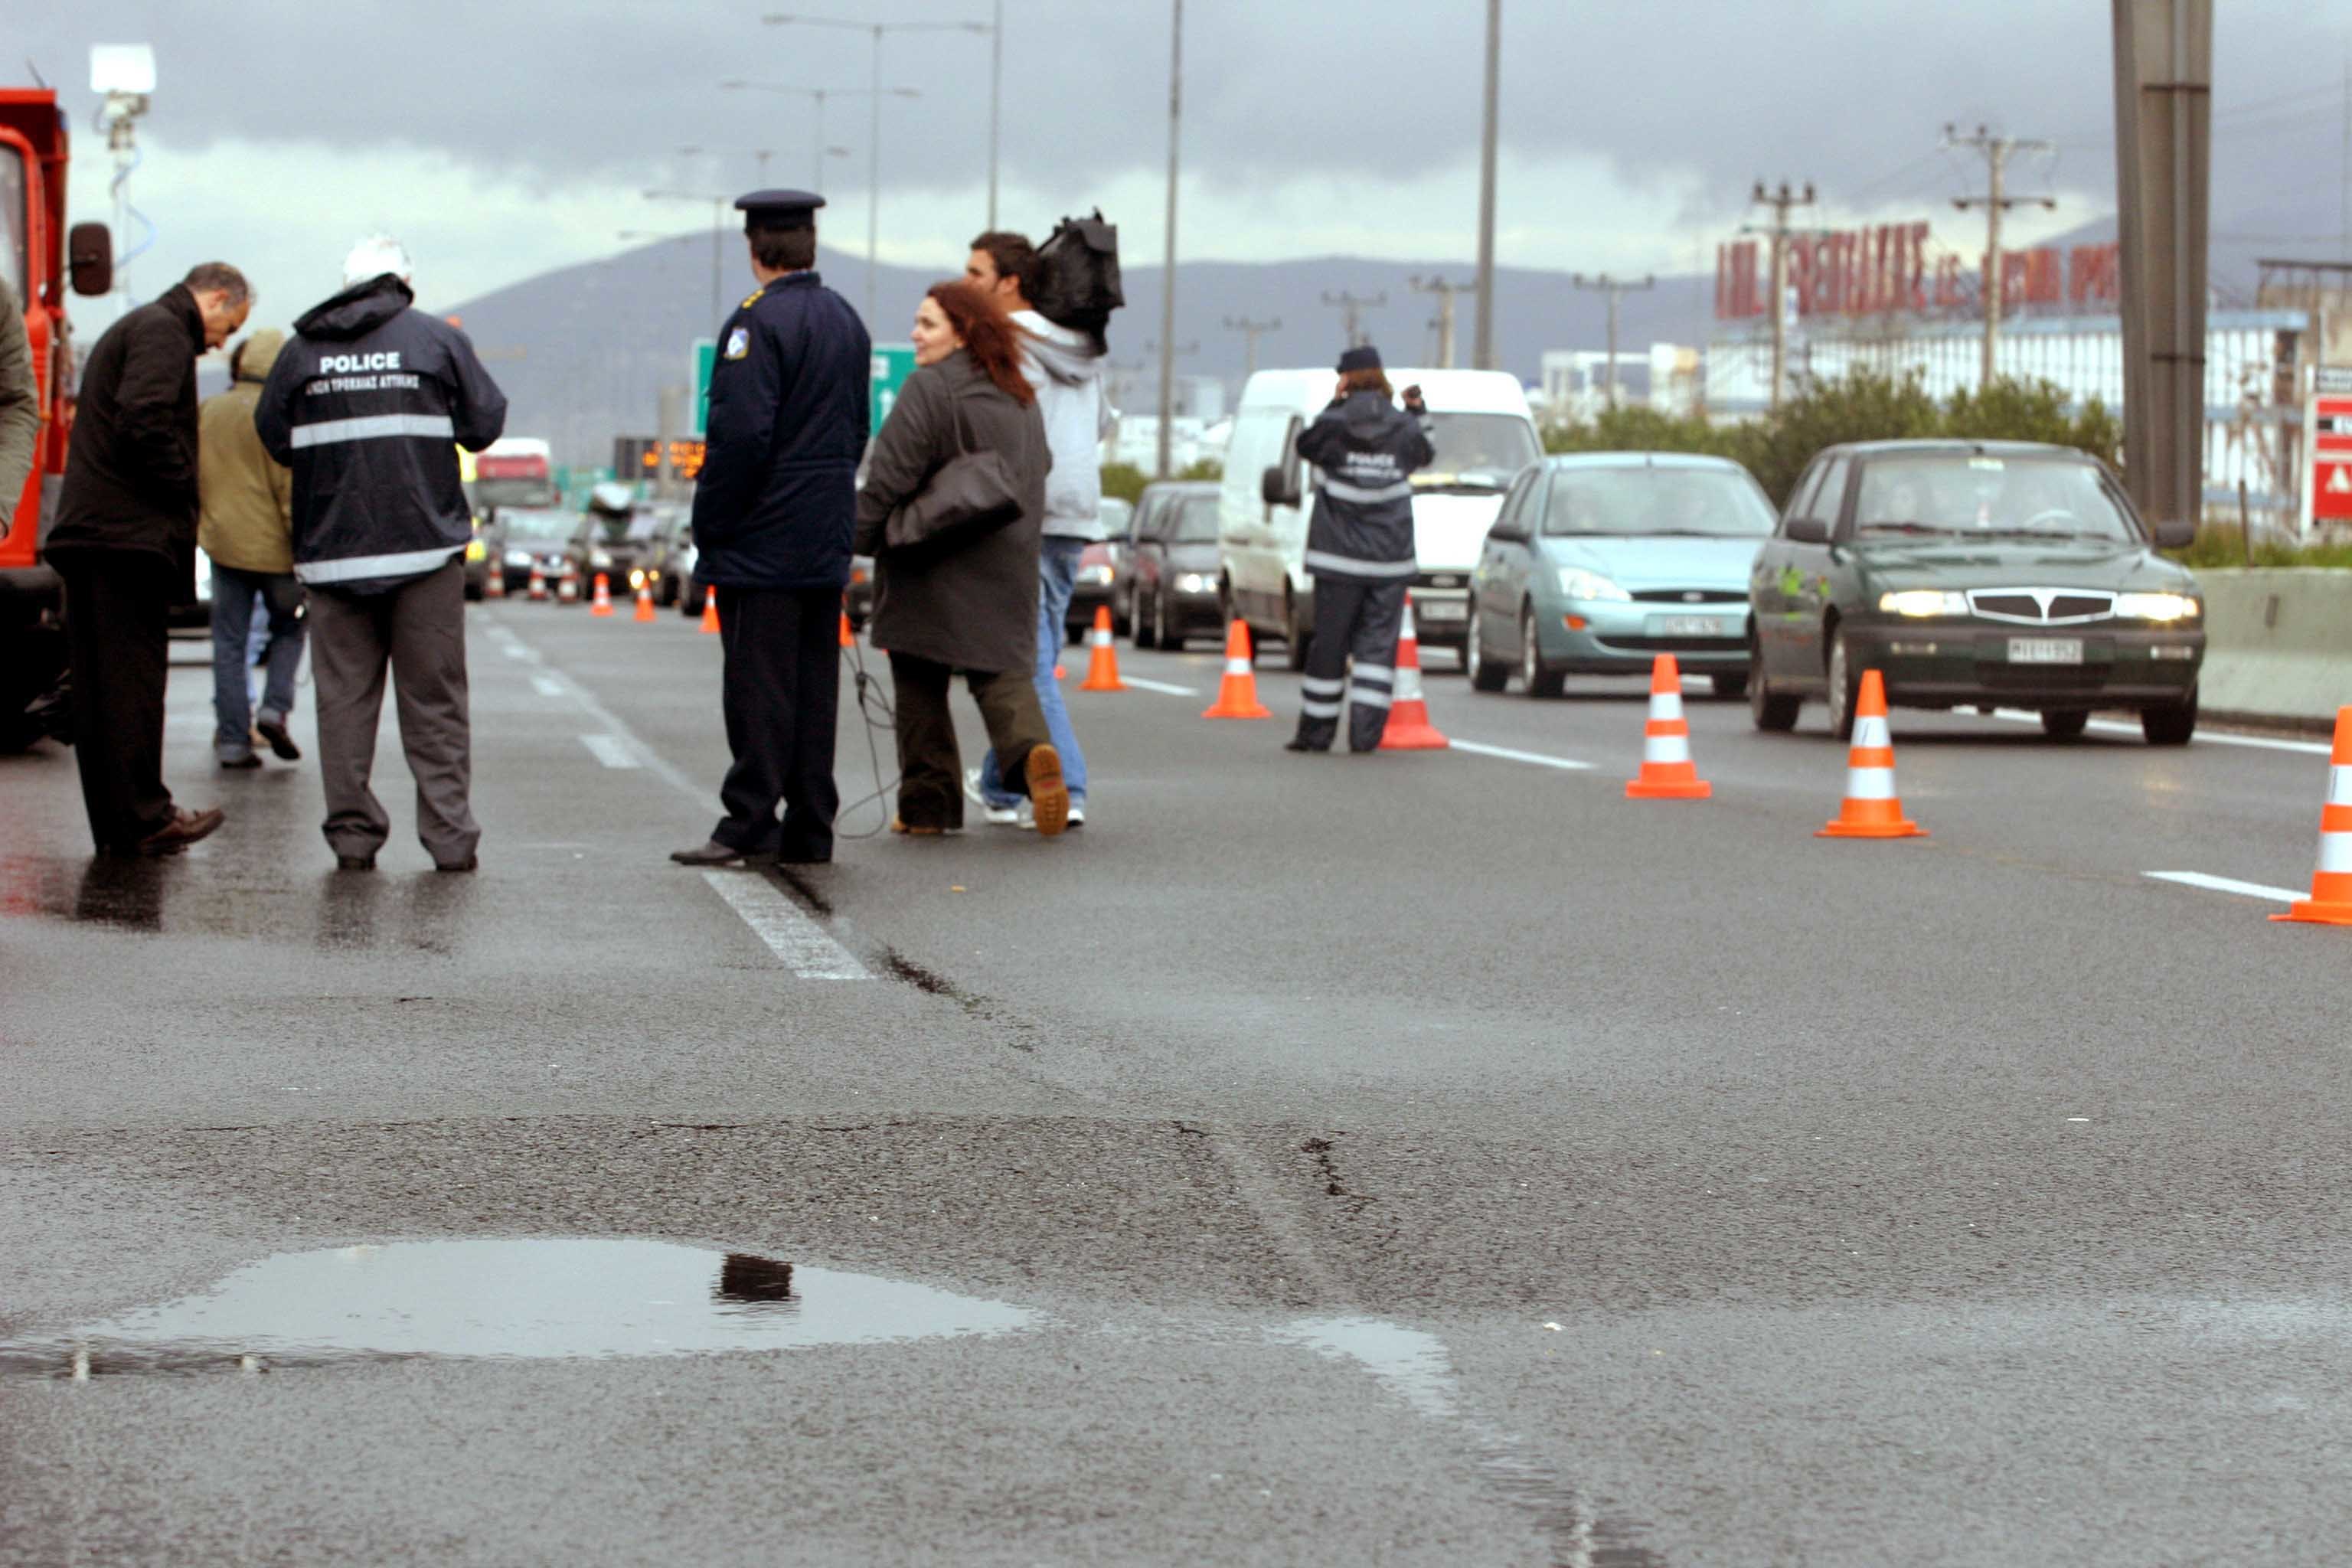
(1364, 449)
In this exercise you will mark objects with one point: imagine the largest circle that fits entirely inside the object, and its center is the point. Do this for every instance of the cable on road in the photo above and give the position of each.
(873, 707)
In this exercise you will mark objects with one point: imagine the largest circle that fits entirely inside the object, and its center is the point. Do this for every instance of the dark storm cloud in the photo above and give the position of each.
(1850, 95)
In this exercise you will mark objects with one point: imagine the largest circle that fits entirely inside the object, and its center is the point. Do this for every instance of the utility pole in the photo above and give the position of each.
(1616, 291)
(1351, 308)
(1779, 201)
(1445, 288)
(1167, 267)
(1251, 332)
(1997, 150)
(996, 101)
(1482, 348)
(2163, 95)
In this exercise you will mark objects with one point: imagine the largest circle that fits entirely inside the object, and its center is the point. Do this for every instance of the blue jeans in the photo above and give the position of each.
(233, 590)
(1058, 574)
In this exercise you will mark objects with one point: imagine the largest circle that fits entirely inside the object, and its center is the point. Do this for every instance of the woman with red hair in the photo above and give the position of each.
(963, 602)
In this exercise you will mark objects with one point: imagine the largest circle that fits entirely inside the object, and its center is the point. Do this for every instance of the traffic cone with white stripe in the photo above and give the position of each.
(567, 587)
(1237, 695)
(538, 590)
(1102, 659)
(2331, 885)
(603, 604)
(645, 600)
(1667, 771)
(848, 632)
(494, 582)
(1408, 729)
(1872, 810)
(711, 611)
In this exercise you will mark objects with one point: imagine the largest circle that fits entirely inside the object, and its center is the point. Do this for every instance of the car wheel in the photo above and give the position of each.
(1731, 688)
(1773, 713)
(1296, 636)
(2174, 724)
(1170, 634)
(1845, 688)
(1485, 674)
(1534, 678)
(1140, 630)
(2065, 724)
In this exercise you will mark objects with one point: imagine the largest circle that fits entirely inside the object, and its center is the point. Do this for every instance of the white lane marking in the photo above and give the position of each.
(513, 649)
(788, 931)
(2228, 885)
(548, 685)
(1161, 686)
(2203, 738)
(611, 750)
(1565, 764)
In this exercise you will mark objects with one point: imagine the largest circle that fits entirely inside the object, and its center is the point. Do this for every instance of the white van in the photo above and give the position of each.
(1484, 435)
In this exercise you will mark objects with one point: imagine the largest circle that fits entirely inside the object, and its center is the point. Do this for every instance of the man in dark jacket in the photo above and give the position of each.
(368, 405)
(1359, 548)
(125, 542)
(772, 511)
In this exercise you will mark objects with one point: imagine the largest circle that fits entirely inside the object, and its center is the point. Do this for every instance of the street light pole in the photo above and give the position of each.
(1482, 352)
(717, 201)
(1167, 268)
(996, 101)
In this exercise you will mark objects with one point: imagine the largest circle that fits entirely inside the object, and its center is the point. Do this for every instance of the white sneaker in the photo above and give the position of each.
(1078, 812)
(996, 815)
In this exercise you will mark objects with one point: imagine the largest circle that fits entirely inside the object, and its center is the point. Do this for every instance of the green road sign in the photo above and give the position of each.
(893, 364)
(706, 354)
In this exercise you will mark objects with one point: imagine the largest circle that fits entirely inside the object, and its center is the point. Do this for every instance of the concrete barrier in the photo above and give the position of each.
(2278, 644)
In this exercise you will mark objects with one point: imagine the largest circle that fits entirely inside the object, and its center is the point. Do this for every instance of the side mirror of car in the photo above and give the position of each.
(1807, 530)
(89, 258)
(2176, 533)
(1275, 489)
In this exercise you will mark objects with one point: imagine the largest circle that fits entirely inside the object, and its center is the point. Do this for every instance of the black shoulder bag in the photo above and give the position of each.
(967, 498)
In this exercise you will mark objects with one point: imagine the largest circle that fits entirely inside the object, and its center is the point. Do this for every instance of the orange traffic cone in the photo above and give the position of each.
(711, 611)
(1102, 661)
(1408, 729)
(538, 589)
(1872, 810)
(1237, 697)
(602, 605)
(2331, 885)
(1668, 771)
(567, 587)
(644, 602)
(494, 582)
(848, 634)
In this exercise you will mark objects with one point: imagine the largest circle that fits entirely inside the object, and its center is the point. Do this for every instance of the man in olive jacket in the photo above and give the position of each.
(125, 542)
(20, 406)
(247, 532)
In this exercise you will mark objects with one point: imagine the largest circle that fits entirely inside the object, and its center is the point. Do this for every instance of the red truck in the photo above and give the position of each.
(40, 258)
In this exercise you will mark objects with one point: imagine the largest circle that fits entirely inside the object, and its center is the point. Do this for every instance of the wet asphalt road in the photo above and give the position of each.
(1412, 1159)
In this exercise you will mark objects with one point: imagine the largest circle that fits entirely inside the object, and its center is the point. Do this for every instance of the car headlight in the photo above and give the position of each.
(1098, 576)
(1576, 582)
(637, 579)
(1194, 582)
(600, 558)
(2157, 607)
(475, 549)
(518, 557)
(1921, 603)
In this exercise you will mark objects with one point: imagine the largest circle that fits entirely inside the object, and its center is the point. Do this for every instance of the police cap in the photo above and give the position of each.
(779, 210)
(1362, 357)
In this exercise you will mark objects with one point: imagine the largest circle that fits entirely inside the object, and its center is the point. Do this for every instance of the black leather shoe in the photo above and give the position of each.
(354, 862)
(280, 744)
(184, 828)
(712, 853)
(470, 863)
(1295, 744)
(238, 764)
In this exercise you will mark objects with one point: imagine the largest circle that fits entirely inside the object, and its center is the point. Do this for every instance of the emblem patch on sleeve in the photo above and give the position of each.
(739, 342)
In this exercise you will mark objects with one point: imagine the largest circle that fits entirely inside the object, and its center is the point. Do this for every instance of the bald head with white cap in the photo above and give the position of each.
(372, 257)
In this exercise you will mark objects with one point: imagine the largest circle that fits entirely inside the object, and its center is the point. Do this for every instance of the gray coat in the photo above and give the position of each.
(976, 609)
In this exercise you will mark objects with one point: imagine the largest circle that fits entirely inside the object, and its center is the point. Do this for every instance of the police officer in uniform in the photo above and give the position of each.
(1360, 548)
(772, 513)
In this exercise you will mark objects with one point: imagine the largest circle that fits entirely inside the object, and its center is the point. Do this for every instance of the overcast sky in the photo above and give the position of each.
(500, 139)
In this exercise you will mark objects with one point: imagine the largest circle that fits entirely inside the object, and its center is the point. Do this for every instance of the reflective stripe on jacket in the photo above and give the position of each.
(1364, 449)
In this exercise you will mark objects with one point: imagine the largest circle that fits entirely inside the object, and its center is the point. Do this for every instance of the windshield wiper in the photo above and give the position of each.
(1902, 527)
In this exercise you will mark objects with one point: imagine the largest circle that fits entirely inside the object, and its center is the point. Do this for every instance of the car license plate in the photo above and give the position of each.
(2045, 650)
(1686, 626)
(1442, 610)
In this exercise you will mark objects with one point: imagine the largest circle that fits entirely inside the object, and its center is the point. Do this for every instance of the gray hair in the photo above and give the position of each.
(372, 257)
(218, 277)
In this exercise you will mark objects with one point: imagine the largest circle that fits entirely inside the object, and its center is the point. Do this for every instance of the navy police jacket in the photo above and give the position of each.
(1364, 449)
(777, 497)
(367, 405)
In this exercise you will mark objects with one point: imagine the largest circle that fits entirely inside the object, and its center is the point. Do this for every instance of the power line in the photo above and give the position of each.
(1615, 290)
(1781, 201)
(1351, 309)
(1997, 152)
(1251, 332)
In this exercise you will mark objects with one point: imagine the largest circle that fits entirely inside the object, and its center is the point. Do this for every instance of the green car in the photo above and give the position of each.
(1983, 574)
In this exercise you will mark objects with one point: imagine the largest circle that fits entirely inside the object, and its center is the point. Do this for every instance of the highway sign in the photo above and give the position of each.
(2330, 428)
(893, 364)
(706, 354)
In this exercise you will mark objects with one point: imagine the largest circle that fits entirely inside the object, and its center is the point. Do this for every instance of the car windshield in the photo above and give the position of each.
(12, 224)
(1477, 451)
(1196, 521)
(1115, 514)
(521, 525)
(2053, 496)
(1705, 504)
(634, 527)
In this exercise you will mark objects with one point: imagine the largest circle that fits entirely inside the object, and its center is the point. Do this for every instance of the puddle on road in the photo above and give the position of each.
(513, 1300)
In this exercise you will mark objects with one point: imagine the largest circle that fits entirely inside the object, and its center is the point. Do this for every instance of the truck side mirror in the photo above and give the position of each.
(1275, 488)
(89, 258)
(2176, 533)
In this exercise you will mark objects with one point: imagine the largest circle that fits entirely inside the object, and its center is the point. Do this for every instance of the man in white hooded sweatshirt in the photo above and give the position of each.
(1066, 368)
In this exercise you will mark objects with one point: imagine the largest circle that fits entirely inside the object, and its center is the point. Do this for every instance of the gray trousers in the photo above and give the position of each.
(418, 631)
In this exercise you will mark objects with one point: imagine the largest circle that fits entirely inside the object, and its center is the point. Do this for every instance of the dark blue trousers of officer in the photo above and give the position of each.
(1359, 620)
(782, 695)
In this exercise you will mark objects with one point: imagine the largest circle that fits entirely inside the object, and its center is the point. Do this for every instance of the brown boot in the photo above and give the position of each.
(1049, 798)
